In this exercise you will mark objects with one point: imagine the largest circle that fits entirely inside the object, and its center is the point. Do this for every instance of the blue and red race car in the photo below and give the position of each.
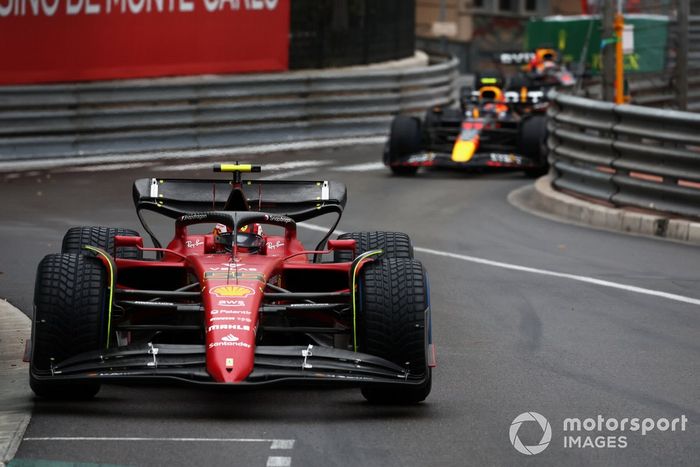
(492, 128)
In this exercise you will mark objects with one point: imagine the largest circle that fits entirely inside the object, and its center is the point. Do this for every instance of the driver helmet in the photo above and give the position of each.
(493, 100)
(249, 238)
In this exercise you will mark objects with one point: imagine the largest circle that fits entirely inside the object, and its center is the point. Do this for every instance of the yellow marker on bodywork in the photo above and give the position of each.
(463, 151)
(235, 168)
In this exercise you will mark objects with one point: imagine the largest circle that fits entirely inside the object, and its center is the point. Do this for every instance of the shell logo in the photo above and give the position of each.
(232, 291)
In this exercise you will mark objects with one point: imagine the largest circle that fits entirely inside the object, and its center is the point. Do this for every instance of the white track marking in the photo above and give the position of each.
(275, 443)
(573, 277)
(291, 173)
(158, 157)
(282, 444)
(543, 272)
(102, 168)
(272, 461)
(368, 167)
(277, 461)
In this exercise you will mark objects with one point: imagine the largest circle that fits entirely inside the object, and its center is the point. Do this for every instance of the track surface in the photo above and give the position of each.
(508, 341)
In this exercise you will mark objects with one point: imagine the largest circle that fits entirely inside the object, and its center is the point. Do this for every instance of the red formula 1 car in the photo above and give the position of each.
(240, 304)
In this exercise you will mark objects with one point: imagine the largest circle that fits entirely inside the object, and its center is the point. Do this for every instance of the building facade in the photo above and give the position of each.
(475, 30)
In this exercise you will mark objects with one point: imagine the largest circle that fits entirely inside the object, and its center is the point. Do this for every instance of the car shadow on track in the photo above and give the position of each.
(468, 174)
(291, 404)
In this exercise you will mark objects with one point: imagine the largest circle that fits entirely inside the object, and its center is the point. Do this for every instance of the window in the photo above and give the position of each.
(508, 5)
(530, 5)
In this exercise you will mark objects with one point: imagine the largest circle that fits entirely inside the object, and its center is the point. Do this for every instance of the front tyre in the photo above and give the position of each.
(394, 244)
(532, 143)
(70, 303)
(405, 139)
(393, 324)
(100, 237)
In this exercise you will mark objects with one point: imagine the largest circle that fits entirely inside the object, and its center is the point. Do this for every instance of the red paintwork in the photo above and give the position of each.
(231, 316)
(136, 39)
(473, 125)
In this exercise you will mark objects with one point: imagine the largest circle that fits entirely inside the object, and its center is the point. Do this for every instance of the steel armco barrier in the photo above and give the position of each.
(122, 117)
(626, 155)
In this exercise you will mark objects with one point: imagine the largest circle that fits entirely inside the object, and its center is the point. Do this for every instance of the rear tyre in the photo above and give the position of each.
(532, 143)
(100, 237)
(404, 139)
(394, 244)
(70, 303)
(392, 324)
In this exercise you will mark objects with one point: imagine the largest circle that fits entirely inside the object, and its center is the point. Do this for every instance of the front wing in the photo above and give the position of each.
(479, 160)
(273, 365)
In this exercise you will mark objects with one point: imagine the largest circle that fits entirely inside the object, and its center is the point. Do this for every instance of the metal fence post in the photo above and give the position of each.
(608, 51)
(682, 57)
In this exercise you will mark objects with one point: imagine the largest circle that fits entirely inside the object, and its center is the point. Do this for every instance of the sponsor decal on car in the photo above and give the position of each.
(229, 341)
(280, 219)
(194, 244)
(505, 158)
(193, 217)
(228, 327)
(227, 266)
(232, 291)
(229, 312)
(229, 344)
(231, 303)
(274, 246)
(251, 276)
(422, 157)
(230, 318)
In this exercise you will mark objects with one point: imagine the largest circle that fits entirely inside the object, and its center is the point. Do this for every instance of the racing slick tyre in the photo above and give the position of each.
(393, 324)
(70, 302)
(532, 142)
(394, 244)
(404, 139)
(100, 237)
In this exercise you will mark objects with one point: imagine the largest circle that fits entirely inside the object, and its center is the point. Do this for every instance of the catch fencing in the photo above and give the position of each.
(663, 89)
(135, 116)
(626, 155)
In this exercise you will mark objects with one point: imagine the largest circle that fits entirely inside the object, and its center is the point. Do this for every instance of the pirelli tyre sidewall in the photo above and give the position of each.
(392, 323)
(405, 139)
(70, 317)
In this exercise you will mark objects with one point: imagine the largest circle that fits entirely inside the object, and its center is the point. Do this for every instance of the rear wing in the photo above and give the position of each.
(299, 200)
(514, 58)
(513, 97)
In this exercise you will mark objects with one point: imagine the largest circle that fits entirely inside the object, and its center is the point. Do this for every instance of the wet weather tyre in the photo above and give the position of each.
(100, 237)
(392, 323)
(405, 138)
(70, 317)
(394, 244)
(532, 142)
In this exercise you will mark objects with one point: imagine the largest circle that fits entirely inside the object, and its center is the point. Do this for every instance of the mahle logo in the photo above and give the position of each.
(546, 433)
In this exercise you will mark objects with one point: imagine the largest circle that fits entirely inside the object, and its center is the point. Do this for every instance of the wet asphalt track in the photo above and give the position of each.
(508, 341)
